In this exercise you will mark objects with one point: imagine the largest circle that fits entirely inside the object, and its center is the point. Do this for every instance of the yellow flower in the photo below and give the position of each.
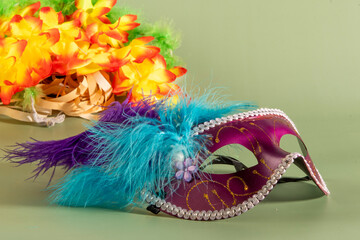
(100, 58)
(36, 46)
(12, 77)
(27, 11)
(36, 54)
(148, 78)
(26, 57)
(88, 13)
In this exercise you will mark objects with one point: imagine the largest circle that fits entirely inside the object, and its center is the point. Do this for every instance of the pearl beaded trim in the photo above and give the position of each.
(228, 212)
(240, 116)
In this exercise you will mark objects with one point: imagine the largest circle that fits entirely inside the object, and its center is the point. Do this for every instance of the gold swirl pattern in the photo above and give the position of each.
(213, 191)
(259, 174)
(241, 130)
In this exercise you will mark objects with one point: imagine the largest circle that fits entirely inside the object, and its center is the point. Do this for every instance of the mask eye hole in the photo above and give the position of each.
(229, 159)
(292, 143)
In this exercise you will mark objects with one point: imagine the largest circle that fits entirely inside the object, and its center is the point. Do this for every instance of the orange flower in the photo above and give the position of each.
(65, 52)
(100, 58)
(139, 51)
(12, 77)
(36, 46)
(88, 13)
(115, 34)
(27, 11)
(148, 78)
(27, 58)
(98, 27)
(37, 54)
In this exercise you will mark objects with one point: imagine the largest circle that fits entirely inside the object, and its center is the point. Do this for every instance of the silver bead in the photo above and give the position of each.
(201, 215)
(269, 186)
(181, 213)
(219, 214)
(160, 203)
(175, 211)
(288, 161)
(273, 181)
(226, 213)
(149, 198)
(170, 208)
(194, 215)
(188, 214)
(265, 192)
(238, 209)
(207, 215)
(164, 206)
(156, 199)
(146, 195)
(260, 196)
(250, 205)
(277, 176)
(254, 200)
(244, 207)
(232, 211)
(213, 215)
(283, 164)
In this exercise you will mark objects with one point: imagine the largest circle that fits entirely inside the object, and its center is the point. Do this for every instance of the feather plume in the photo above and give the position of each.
(131, 148)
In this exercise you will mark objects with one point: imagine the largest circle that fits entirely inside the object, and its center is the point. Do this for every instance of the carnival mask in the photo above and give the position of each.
(217, 196)
(156, 153)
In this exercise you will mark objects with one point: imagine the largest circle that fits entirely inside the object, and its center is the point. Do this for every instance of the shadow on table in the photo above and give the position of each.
(16, 122)
(298, 191)
(15, 190)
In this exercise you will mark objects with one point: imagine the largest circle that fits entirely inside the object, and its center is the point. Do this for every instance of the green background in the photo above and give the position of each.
(301, 56)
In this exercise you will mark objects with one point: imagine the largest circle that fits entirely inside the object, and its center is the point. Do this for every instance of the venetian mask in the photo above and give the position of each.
(159, 153)
(217, 196)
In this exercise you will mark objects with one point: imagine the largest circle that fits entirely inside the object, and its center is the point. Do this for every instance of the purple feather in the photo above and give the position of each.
(74, 151)
(118, 112)
(67, 153)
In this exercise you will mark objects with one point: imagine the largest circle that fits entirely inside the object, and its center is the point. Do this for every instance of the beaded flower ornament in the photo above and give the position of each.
(75, 57)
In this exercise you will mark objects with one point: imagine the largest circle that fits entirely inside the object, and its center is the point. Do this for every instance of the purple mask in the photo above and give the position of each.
(218, 196)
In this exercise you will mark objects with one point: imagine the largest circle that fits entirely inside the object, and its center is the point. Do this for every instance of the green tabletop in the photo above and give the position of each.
(300, 56)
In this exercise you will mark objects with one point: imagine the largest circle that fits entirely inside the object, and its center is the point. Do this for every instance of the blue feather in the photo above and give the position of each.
(137, 153)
